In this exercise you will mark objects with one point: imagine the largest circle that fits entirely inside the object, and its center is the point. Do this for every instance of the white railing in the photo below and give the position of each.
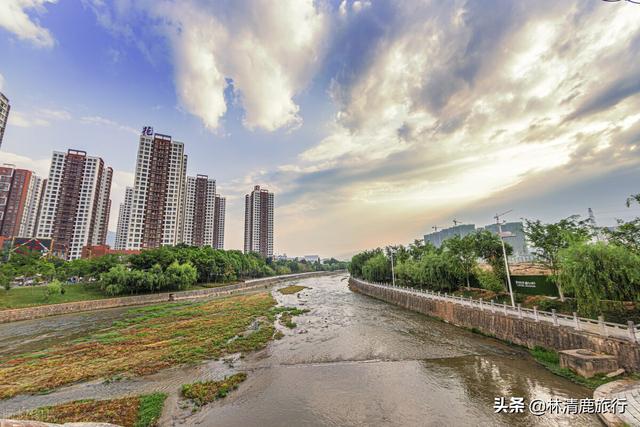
(629, 332)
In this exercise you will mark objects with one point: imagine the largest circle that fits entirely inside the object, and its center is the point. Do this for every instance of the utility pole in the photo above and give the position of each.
(504, 253)
(455, 222)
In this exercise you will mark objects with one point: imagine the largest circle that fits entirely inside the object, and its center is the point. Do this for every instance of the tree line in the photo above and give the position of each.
(587, 263)
(154, 270)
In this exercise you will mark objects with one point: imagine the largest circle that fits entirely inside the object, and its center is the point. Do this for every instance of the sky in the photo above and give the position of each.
(371, 121)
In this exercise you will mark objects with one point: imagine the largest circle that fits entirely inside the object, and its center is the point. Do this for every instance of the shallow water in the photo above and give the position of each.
(352, 361)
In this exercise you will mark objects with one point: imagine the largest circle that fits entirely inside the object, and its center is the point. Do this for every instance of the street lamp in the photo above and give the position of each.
(504, 252)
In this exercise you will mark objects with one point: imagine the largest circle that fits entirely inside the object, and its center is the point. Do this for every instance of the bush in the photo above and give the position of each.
(55, 288)
(488, 280)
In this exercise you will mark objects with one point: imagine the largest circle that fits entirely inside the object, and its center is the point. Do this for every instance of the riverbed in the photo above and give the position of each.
(351, 361)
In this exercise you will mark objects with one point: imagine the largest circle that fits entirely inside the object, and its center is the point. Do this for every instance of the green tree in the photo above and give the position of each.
(377, 269)
(549, 239)
(489, 247)
(599, 271)
(463, 251)
(627, 234)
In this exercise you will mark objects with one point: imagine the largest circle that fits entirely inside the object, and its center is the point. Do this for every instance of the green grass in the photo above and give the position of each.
(137, 411)
(551, 360)
(150, 409)
(29, 296)
(292, 289)
(202, 393)
(151, 339)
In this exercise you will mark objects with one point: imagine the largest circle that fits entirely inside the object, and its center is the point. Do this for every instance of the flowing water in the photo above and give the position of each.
(352, 361)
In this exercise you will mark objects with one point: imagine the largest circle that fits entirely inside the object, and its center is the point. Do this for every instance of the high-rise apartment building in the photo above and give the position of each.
(14, 198)
(4, 115)
(157, 206)
(218, 228)
(258, 222)
(124, 216)
(75, 205)
(31, 213)
(199, 211)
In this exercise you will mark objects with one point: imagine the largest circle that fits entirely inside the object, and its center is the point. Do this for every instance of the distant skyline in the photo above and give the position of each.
(371, 121)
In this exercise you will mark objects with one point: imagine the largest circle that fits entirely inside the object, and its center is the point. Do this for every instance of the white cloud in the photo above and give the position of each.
(15, 19)
(39, 166)
(101, 121)
(269, 52)
(39, 117)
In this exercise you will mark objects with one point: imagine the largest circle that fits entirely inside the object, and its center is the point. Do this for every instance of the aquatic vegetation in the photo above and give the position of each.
(202, 393)
(139, 411)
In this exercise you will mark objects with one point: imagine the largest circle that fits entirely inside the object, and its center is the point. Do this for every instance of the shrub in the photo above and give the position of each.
(488, 280)
(55, 288)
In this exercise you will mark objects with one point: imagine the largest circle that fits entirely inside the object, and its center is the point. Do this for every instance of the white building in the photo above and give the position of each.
(157, 206)
(29, 223)
(258, 222)
(124, 216)
(4, 115)
(218, 231)
(199, 211)
(75, 205)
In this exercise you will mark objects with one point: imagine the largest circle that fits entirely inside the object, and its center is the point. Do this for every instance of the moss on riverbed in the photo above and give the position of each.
(139, 411)
(154, 338)
(202, 393)
(293, 289)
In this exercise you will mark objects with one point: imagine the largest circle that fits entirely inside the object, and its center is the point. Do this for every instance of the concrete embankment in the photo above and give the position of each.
(525, 332)
(29, 313)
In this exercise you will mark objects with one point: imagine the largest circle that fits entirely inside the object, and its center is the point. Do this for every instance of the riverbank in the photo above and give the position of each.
(105, 303)
(513, 326)
(629, 390)
(155, 338)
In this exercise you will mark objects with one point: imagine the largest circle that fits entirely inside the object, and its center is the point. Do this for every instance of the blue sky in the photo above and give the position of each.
(371, 120)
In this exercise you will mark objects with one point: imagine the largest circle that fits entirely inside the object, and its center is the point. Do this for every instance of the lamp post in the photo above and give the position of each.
(504, 254)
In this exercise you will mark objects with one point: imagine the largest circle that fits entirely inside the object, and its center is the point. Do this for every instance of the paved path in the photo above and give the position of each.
(623, 389)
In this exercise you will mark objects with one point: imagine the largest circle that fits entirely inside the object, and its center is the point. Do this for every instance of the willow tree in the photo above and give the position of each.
(595, 272)
(549, 239)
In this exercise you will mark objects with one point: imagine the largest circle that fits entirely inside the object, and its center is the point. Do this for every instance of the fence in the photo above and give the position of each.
(629, 332)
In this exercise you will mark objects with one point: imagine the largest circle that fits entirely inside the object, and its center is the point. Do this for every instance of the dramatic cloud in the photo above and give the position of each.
(15, 19)
(267, 52)
(459, 101)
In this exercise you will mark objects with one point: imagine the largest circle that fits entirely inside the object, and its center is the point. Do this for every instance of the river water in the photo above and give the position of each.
(352, 361)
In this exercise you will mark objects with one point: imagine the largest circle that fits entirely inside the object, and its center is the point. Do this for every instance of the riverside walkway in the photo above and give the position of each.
(629, 391)
(629, 332)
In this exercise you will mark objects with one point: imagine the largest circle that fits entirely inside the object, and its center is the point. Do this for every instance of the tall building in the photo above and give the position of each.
(75, 205)
(14, 198)
(199, 211)
(4, 115)
(29, 223)
(157, 206)
(438, 237)
(124, 216)
(218, 229)
(258, 222)
(517, 238)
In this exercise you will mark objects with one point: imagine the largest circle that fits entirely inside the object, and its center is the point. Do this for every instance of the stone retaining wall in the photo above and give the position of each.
(525, 332)
(28, 313)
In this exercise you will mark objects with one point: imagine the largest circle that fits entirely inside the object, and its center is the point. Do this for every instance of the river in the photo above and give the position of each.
(352, 361)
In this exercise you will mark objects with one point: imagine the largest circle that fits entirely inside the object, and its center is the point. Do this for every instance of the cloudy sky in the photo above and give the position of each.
(372, 121)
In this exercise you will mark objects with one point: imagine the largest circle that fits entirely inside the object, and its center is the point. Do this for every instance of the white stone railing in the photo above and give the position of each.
(629, 332)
